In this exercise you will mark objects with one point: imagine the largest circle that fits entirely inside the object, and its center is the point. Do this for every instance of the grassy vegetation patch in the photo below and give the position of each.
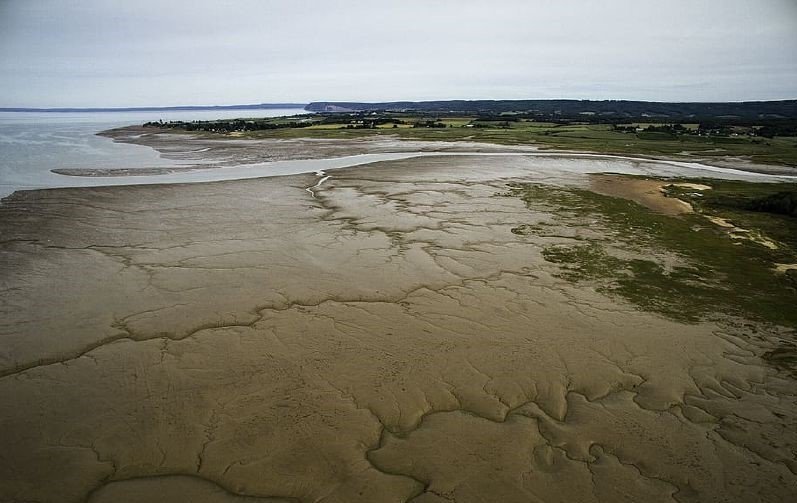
(584, 262)
(768, 208)
(721, 275)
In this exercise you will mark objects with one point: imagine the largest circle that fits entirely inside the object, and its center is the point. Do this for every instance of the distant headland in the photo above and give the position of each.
(608, 109)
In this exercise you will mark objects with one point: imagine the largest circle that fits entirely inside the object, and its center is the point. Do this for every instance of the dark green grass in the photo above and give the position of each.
(744, 204)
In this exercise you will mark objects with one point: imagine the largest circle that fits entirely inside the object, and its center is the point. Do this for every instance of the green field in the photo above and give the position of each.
(684, 141)
(598, 138)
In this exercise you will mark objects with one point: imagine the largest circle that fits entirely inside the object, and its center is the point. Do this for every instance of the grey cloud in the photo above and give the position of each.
(114, 53)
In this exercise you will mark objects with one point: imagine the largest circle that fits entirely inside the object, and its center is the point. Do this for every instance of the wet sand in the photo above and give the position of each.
(383, 338)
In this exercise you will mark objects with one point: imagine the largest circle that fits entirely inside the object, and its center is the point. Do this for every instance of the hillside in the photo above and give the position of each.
(608, 109)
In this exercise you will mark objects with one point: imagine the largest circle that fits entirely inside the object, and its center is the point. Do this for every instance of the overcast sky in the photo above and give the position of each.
(134, 53)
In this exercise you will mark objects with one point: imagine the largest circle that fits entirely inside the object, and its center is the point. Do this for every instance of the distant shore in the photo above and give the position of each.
(261, 106)
(323, 143)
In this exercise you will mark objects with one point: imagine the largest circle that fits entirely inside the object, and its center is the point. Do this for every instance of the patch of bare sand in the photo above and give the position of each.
(783, 268)
(742, 234)
(648, 193)
(693, 186)
(388, 340)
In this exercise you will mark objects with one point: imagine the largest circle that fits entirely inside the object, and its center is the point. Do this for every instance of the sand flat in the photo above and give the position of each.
(386, 338)
(648, 193)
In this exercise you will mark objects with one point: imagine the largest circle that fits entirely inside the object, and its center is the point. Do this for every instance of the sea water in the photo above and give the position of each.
(33, 143)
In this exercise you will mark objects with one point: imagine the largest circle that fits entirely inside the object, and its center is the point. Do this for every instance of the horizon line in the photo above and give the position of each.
(304, 104)
(155, 108)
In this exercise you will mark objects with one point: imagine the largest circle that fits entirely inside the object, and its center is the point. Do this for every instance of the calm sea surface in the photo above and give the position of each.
(33, 143)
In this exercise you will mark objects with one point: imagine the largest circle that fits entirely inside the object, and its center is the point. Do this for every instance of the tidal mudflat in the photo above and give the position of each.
(429, 329)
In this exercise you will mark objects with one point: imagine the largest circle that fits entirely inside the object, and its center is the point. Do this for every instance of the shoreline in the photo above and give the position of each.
(203, 160)
(140, 135)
